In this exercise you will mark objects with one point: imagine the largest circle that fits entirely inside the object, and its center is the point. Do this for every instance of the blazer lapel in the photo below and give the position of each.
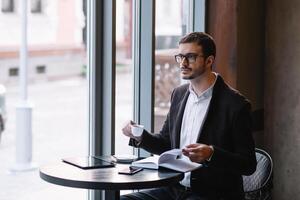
(180, 107)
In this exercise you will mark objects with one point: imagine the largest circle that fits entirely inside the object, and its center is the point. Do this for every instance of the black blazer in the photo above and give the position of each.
(228, 127)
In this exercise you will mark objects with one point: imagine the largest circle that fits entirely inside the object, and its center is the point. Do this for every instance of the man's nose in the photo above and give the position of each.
(184, 62)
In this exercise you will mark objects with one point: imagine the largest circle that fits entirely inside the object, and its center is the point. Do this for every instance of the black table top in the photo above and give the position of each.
(61, 173)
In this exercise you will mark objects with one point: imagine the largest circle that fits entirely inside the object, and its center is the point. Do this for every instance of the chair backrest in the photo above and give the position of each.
(261, 179)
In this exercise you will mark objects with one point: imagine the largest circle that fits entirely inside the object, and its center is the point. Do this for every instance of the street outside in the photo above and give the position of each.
(60, 130)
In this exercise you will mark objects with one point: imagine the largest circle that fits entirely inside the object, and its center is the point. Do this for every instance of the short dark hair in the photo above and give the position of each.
(202, 39)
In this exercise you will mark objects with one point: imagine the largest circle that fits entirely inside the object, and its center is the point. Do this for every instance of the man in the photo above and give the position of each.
(210, 122)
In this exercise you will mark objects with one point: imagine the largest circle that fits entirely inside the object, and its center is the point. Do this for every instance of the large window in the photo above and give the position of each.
(57, 87)
(121, 80)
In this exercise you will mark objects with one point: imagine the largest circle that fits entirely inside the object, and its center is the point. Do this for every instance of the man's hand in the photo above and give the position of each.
(128, 131)
(198, 152)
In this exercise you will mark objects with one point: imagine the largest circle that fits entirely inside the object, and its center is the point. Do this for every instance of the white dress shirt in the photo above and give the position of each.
(194, 115)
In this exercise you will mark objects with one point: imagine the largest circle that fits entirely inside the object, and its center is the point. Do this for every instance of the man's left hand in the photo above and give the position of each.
(198, 152)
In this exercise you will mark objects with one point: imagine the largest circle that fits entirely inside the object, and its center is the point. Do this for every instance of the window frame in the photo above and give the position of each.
(101, 59)
(101, 78)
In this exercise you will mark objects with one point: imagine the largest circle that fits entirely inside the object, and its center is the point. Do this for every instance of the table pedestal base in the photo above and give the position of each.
(112, 194)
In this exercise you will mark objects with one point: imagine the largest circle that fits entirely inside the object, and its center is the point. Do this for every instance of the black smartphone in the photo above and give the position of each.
(130, 170)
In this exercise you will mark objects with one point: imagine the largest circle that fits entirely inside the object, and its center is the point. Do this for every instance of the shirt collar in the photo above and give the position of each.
(205, 94)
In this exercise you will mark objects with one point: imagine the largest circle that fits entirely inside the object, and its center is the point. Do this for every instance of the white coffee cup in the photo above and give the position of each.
(137, 130)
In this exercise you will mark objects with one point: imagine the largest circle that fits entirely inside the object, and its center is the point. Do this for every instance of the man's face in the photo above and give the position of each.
(193, 63)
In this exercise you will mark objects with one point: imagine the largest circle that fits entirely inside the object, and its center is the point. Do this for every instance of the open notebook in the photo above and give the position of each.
(172, 159)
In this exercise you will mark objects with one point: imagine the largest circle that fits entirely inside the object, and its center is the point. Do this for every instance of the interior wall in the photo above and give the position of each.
(221, 24)
(238, 28)
(258, 48)
(251, 60)
(282, 95)
(250, 50)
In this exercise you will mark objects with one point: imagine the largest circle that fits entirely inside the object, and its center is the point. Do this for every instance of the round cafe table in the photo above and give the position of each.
(107, 179)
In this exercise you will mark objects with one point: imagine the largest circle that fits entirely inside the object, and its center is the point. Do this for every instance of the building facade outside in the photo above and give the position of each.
(55, 39)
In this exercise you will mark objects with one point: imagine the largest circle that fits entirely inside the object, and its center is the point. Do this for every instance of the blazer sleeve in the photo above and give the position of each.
(242, 160)
(156, 143)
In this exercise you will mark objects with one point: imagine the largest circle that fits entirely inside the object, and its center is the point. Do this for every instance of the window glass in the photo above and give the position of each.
(170, 25)
(57, 87)
(124, 73)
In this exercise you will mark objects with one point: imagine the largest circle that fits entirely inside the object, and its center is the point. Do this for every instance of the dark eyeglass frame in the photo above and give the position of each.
(189, 57)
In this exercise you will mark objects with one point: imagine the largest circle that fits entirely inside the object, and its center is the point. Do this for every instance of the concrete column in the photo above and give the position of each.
(282, 95)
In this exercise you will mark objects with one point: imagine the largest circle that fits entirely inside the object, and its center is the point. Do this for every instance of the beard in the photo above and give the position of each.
(189, 74)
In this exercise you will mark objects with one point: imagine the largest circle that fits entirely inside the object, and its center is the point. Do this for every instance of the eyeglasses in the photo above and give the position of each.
(190, 57)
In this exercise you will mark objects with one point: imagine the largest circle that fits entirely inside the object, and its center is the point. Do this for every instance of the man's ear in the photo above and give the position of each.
(209, 60)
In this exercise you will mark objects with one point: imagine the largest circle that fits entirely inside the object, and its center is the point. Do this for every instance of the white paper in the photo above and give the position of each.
(172, 159)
